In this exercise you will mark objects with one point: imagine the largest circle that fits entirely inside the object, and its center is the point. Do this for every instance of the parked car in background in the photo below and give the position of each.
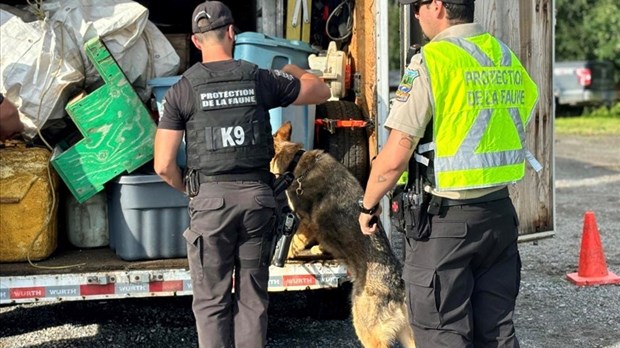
(584, 83)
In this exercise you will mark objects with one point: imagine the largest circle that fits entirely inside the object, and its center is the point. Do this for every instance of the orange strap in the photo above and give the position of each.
(329, 123)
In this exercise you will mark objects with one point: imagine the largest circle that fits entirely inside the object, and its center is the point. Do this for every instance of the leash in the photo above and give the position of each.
(299, 190)
(285, 179)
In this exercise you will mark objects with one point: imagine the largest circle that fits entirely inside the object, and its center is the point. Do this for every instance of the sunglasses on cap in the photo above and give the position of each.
(417, 5)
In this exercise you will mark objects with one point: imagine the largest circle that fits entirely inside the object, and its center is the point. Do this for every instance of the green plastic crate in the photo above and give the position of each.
(117, 128)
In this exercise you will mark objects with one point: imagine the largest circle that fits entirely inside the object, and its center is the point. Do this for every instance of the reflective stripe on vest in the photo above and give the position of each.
(481, 106)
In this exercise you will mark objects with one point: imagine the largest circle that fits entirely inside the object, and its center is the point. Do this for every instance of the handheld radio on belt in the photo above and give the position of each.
(409, 206)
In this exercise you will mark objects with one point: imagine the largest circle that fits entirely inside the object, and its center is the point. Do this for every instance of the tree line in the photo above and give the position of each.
(585, 30)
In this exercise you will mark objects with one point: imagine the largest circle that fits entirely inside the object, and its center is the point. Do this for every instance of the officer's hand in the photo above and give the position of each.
(368, 223)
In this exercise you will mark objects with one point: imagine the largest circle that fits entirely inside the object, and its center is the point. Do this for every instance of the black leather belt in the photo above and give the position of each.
(262, 176)
(493, 196)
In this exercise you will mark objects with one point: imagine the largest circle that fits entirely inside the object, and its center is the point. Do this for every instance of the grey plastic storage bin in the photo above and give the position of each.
(146, 218)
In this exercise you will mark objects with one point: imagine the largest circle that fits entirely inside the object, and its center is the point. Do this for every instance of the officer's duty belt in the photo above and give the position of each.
(262, 176)
(493, 196)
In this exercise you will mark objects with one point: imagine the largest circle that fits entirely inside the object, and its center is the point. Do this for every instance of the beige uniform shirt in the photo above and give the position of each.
(412, 109)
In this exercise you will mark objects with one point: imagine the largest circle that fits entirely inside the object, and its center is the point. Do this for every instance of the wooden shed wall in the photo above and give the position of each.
(363, 55)
(526, 26)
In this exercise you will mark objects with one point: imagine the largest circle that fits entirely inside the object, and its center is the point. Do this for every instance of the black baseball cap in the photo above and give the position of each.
(211, 15)
(462, 2)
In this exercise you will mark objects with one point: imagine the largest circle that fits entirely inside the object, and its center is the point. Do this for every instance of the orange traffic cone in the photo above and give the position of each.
(592, 265)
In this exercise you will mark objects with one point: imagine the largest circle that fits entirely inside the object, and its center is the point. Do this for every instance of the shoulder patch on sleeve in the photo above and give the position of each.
(404, 88)
(280, 73)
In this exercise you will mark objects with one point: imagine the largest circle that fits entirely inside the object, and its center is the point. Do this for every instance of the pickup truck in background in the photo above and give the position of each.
(578, 84)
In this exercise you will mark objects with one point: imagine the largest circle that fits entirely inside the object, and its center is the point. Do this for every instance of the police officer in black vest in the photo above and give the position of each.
(223, 105)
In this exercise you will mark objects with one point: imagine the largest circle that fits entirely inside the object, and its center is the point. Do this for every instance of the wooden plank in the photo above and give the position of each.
(363, 62)
(88, 260)
(526, 26)
(301, 31)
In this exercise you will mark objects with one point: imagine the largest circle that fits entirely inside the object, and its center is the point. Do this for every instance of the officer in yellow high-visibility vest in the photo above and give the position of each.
(458, 125)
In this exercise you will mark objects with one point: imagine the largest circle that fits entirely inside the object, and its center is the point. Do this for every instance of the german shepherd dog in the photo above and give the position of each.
(324, 196)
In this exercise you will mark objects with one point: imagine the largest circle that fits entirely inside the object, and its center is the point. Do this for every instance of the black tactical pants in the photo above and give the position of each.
(230, 223)
(463, 281)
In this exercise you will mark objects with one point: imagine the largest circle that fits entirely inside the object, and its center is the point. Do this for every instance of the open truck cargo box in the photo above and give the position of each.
(72, 273)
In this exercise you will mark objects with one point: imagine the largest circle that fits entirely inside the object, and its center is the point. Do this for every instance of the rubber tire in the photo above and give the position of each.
(349, 146)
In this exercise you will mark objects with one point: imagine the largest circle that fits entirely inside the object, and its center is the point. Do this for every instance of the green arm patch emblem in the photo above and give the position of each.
(402, 93)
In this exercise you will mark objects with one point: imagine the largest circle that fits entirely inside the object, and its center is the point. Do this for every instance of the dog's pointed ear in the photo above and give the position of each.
(284, 132)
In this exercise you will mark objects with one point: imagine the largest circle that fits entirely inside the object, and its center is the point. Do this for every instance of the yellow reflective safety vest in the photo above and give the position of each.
(482, 99)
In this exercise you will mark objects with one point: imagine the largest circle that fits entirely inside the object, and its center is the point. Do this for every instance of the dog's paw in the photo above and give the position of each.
(293, 252)
(297, 247)
(316, 250)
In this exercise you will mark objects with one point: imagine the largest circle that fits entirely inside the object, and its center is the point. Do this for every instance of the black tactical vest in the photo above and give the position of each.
(230, 132)
(427, 173)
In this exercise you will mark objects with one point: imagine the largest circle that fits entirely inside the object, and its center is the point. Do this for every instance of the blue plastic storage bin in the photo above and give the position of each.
(302, 120)
(270, 52)
(273, 53)
(160, 87)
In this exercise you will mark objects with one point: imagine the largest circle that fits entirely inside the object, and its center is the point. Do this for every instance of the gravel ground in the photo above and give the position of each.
(551, 312)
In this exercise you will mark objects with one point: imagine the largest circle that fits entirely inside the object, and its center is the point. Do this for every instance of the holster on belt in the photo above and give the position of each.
(192, 182)
(286, 227)
(418, 216)
(410, 207)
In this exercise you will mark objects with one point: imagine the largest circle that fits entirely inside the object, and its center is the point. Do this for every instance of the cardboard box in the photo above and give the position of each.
(181, 44)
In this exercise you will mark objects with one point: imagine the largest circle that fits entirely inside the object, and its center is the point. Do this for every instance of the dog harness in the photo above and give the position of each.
(285, 179)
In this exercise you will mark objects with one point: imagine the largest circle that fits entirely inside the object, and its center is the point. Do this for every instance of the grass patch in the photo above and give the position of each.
(588, 125)
(600, 121)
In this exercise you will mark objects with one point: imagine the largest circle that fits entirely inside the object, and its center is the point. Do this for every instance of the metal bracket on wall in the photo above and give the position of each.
(357, 84)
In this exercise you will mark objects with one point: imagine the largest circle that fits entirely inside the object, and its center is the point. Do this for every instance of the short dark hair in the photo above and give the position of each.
(217, 34)
(459, 13)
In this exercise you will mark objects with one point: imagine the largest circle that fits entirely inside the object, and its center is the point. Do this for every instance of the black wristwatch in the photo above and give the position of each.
(365, 210)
